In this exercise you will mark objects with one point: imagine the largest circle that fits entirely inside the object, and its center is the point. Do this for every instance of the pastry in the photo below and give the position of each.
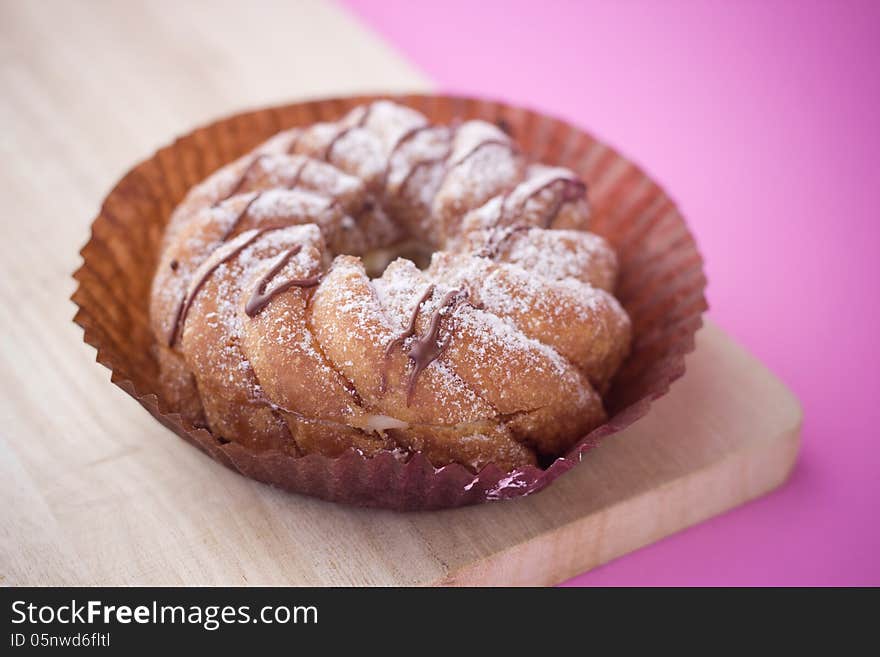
(283, 322)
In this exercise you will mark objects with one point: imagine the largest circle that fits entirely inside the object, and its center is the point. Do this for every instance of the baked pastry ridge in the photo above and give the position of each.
(271, 331)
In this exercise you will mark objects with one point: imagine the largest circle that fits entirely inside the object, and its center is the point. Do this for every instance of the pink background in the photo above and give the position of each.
(763, 120)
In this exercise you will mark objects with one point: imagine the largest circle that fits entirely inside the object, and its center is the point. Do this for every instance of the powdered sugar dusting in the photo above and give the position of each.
(381, 175)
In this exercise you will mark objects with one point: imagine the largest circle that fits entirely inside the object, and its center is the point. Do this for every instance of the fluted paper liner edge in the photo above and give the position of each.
(661, 285)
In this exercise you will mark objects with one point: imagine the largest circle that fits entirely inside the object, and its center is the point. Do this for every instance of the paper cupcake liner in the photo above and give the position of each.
(661, 285)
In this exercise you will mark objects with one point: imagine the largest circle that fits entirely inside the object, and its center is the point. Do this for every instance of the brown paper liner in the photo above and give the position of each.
(661, 285)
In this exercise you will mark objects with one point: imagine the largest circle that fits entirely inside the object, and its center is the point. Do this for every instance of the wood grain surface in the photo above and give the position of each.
(96, 492)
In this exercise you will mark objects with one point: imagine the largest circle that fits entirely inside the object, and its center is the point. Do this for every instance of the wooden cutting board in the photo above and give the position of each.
(96, 492)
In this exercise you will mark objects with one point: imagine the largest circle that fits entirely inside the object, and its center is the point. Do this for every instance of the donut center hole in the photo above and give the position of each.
(377, 260)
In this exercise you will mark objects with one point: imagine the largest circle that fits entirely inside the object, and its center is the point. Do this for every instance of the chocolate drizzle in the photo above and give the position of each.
(244, 211)
(452, 164)
(407, 333)
(497, 238)
(328, 152)
(401, 141)
(407, 136)
(415, 168)
(573, 190)
(298, 175)
(429, 347)
(238, 185)
(486, 142)
(260, 298)
(185, 303)
(239, 217)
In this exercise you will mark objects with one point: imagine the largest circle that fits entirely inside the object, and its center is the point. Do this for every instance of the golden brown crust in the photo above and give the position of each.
(493, 354)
